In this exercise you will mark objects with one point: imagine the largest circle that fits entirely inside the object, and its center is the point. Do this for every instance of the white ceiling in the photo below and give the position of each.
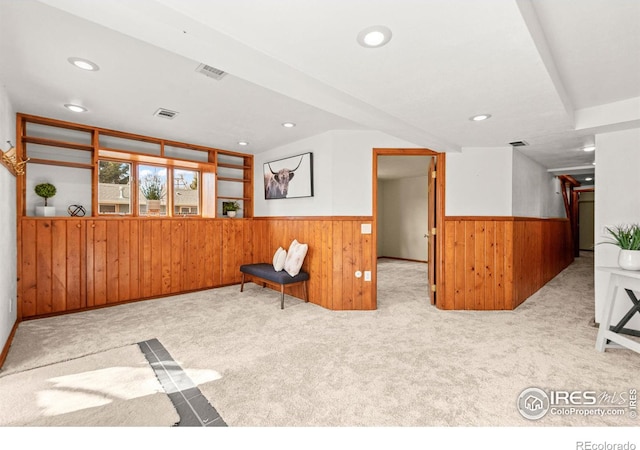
(551, 72)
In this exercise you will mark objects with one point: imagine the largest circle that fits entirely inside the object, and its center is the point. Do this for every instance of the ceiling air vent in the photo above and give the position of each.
(518, 143)
(211, 72)
(165, 113)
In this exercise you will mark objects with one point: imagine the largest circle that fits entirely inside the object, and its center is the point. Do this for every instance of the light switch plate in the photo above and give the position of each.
(365, 228)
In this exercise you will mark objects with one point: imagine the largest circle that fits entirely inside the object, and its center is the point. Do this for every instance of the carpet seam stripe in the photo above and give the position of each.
(175, 384)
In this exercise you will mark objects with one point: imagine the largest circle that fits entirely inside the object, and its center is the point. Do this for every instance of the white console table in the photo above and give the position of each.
(608, 336)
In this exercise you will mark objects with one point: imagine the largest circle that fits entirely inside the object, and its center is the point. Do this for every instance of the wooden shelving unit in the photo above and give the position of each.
(234, 177)
(80, 147)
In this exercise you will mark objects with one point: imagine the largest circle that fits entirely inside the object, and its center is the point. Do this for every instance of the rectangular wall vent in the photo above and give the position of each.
(165, 113)
(518, 143)
(211, 72)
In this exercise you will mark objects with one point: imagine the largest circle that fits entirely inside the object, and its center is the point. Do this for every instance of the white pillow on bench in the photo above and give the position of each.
(279, 258)
(295, 257)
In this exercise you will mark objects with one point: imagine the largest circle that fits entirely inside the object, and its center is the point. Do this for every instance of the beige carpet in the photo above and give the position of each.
(112, 388)
(405, 364)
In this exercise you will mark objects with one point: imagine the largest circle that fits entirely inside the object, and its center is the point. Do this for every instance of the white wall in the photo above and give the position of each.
(342, 174)
(381, 211)
(479, 182)
(536, 193)
(616, 202)
(404, 223)
(320, 203)
(8, 250)
(71, 188)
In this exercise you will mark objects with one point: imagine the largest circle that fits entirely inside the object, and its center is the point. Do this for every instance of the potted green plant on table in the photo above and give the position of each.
(46, 191)
(152, 187)
(627, 237)
(231, 208)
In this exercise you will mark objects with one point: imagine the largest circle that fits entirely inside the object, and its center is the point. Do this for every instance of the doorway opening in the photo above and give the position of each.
(408, 209)
(586, 219)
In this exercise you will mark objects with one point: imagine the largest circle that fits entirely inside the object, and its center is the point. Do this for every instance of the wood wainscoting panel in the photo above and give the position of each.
(51, 278)
(337, 249)
(70, 264)
(477, 264)
(496, 263)
(527, 259)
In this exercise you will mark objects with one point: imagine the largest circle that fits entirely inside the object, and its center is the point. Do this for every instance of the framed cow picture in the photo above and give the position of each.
(290, 177)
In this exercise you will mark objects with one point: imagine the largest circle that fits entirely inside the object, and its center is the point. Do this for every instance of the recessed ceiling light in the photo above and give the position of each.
(588, 179)
(375, 36)
(594, 163)
(288, 124)
(83, 64)
(480, 117)
(243, 143)
(589, 148)
(75, 108)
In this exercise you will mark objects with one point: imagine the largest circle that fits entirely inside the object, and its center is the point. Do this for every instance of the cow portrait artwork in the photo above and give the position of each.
(278, 176)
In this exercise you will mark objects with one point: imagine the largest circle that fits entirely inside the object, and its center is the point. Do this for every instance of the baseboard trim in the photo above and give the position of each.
(7, 345)
(403, 259)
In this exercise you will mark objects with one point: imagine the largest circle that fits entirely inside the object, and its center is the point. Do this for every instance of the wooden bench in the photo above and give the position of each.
(267, 274)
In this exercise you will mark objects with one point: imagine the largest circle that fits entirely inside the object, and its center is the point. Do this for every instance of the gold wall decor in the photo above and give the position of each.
(11, 159)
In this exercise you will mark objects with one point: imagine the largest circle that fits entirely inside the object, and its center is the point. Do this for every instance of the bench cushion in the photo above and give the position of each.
(267, 272)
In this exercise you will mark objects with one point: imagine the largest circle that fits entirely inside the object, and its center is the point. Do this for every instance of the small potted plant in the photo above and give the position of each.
(46, 191)
(231, 208)
(152, 188)
(627, 237)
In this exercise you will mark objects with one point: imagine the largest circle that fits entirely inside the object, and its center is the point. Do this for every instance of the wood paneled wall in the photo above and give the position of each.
(73, 264)
(70, 264)
(495, 263)
(337, 249)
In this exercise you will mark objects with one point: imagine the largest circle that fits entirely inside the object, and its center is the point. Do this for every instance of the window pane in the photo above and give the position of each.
(186, 192)
(114, 193)
(152, 191)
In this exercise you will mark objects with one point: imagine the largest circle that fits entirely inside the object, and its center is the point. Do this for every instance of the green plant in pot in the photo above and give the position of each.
(627, 237)
(231, 208)
(46, 191)
(152, 188)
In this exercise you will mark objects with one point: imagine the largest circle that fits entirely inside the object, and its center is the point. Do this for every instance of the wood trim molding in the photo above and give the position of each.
(406, 152)
(120, 134)
(503, 218)
(7, 345)
(330, 218)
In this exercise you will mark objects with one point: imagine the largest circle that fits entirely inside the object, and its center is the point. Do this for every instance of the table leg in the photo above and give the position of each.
(612, 291)
(619, 328)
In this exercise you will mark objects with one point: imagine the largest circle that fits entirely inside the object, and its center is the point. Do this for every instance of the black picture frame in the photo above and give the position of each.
(290, 177)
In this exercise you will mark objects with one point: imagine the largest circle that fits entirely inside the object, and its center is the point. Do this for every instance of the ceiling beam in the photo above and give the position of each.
(536, 31)
(153, 22)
